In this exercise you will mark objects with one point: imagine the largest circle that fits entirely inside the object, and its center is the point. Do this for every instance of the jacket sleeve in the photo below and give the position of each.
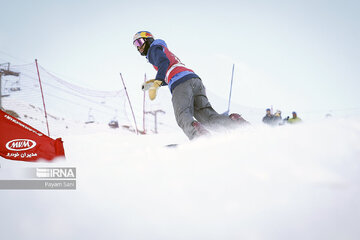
(158, 58)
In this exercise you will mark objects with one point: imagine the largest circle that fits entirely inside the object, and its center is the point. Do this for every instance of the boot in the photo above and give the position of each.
(238, 118)
(200, 130)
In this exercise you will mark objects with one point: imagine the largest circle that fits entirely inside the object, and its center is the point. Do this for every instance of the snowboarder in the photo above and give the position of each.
(191, 106)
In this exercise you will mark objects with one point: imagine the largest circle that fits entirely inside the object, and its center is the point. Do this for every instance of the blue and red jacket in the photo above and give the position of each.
(169, 68)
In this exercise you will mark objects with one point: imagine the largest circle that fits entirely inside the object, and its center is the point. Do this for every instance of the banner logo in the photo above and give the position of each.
(20, 144)
(61, 172)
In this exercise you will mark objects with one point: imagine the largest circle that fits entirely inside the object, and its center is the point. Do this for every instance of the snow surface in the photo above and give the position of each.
(291, 182)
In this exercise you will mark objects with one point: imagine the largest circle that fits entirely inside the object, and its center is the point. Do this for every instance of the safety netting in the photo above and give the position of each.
(69, 107)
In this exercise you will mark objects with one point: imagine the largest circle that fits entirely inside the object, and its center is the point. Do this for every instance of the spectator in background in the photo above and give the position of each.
(268, 118)
(277, 119)
(328, 115)
(284, 121)
(294, 119)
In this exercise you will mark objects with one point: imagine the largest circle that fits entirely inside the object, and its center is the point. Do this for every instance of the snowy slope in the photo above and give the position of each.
(253, 183)
(298, 182)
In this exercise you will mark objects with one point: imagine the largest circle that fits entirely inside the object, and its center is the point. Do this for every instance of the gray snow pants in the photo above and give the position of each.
(189, 100)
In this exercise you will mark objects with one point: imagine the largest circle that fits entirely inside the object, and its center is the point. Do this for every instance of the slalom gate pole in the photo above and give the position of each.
(42, 95)
(0, 91)
(132, 111)
(144, 107)
(231, 84)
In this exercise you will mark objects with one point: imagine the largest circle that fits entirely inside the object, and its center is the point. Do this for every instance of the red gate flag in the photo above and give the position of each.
(19, 141)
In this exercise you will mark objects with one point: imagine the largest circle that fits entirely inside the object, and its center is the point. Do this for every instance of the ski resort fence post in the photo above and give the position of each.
(42, 95)
(232, 78)
(132, 111)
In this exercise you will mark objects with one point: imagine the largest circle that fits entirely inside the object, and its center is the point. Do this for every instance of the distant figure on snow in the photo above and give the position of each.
(268, 118)
(277, 119)
(328, 115)
(285, 121)
(191, 106)
(294, 119)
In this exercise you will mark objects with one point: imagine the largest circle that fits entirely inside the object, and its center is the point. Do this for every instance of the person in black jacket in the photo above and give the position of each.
(268, 118)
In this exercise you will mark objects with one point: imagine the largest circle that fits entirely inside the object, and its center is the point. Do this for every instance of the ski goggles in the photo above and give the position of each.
(139, 42)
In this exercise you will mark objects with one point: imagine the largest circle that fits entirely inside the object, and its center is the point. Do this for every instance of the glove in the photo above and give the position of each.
(153, 89)
(147, 85)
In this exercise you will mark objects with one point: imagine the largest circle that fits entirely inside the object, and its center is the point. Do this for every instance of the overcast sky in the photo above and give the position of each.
(295, 55)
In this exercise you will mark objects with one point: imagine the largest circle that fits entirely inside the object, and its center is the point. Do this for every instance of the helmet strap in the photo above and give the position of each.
(147, 43)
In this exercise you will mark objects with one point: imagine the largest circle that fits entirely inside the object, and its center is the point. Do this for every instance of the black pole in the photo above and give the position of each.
(132, 111)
